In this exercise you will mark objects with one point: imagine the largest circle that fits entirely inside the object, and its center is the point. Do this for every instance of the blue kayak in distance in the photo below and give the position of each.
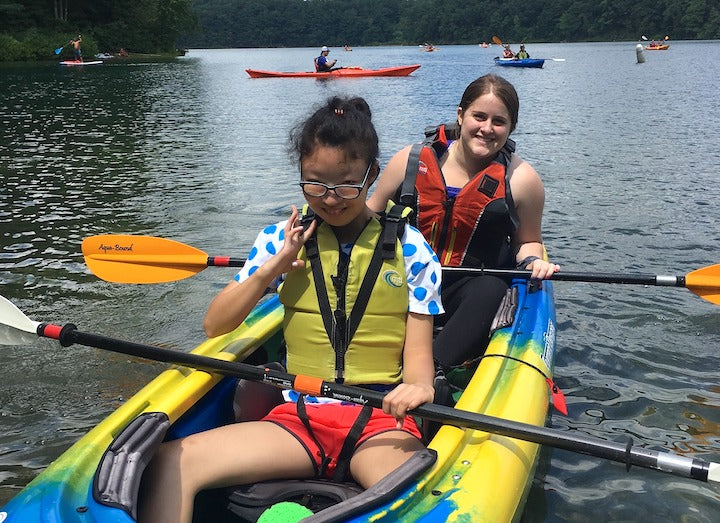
(520, 62)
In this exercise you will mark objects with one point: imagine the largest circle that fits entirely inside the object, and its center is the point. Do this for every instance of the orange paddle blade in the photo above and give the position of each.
(497, 40)
(705, 283)
(124, 258)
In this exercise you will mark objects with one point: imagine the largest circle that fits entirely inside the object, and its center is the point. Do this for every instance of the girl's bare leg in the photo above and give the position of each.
(231, 455)
(380, 455)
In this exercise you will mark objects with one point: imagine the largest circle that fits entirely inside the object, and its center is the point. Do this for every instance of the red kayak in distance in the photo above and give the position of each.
(401, 70)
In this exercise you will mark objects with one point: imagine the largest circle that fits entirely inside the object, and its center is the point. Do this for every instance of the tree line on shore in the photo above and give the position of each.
(30, 29)
(33, 29)
(298, 23)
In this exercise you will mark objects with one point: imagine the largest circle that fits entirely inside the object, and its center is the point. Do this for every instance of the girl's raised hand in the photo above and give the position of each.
(295, 238)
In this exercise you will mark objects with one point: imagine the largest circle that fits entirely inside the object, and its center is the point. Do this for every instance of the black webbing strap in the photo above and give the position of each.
(342, 466)
(391, 231)
(507, 150)
(366, 288)
(407, 188)
(313, 254)
(302, 414)
(384, 249)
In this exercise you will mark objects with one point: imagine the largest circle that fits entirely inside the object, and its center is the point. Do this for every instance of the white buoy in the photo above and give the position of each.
(640, 54)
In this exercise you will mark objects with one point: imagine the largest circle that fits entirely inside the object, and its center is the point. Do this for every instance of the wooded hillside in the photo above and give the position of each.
(31, 29)
(292, 23)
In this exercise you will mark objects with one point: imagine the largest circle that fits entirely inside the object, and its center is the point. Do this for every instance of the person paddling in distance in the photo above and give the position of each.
(478, 204)
(322, 64)
(335, 254)
(77, 51)
(522, 53)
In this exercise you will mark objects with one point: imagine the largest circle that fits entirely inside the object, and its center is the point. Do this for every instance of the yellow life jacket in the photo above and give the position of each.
(345, 317)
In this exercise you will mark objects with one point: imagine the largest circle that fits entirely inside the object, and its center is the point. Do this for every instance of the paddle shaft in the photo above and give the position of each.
(667, 462)
(598, 277)
(590, 277)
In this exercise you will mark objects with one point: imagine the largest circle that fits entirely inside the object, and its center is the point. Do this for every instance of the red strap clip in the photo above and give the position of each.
(558, 398)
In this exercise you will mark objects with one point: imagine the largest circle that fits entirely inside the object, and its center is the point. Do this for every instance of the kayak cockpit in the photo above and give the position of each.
(117, 479)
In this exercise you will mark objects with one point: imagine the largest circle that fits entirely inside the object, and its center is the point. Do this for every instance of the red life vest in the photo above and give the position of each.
(475, 227)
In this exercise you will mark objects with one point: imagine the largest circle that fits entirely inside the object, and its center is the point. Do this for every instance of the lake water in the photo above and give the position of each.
(195, 150)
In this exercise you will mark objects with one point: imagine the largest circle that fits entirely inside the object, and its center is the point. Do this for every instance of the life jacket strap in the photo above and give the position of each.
(407, 194)
(342, 467)
(302, 414)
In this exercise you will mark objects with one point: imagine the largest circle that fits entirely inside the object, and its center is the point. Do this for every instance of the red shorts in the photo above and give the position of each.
(330, 424)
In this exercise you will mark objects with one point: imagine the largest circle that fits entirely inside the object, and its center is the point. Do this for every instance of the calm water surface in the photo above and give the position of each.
(195, 150)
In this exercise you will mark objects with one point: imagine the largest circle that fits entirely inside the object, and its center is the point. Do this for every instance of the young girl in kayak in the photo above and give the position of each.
(478, 204)
(327, 260)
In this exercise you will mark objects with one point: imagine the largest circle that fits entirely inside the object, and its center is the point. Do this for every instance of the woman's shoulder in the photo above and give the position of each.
(525, 182)
(520, 168)
(401, 155)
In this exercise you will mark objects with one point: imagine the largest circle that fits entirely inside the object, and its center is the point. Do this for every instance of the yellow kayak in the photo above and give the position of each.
(476, 476)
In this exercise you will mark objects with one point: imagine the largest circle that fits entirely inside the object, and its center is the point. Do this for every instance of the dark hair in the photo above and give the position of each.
(340, 122)
(500, 87)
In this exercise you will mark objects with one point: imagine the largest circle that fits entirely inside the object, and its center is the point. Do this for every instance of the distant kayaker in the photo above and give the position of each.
(478, 204)
(507, 52)
(75, 42)
(522, 53)
(383, 267)
(322, 64)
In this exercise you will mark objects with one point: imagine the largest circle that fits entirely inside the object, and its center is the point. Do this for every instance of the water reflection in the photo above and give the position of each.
(195, 150)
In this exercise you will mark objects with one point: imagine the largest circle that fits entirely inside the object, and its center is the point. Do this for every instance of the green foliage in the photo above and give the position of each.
(33, 29)
(36, 45)
(29, 29)
(263, 23)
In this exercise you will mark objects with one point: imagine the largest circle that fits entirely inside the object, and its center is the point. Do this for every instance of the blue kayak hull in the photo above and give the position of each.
(525, 62)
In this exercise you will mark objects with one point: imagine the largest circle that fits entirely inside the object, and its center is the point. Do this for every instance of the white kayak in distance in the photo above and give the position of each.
(80, 62)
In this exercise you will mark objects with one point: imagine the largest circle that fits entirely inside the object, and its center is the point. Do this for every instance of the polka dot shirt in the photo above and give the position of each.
(421, 265)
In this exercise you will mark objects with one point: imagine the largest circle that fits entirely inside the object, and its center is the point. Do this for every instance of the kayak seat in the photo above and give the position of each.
(328, 500)
(117, 478)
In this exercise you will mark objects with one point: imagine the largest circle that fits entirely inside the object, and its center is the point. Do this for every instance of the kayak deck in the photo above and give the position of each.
(480, 476)
(477, 476)
(403, 70)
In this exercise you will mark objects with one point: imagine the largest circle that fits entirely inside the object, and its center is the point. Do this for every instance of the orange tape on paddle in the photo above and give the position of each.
(308, 385)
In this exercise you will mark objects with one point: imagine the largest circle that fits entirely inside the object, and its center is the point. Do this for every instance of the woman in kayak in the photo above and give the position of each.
(334, 258)
(478, 204)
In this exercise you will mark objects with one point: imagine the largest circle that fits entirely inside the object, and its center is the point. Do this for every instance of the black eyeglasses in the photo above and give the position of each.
(346, 191)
